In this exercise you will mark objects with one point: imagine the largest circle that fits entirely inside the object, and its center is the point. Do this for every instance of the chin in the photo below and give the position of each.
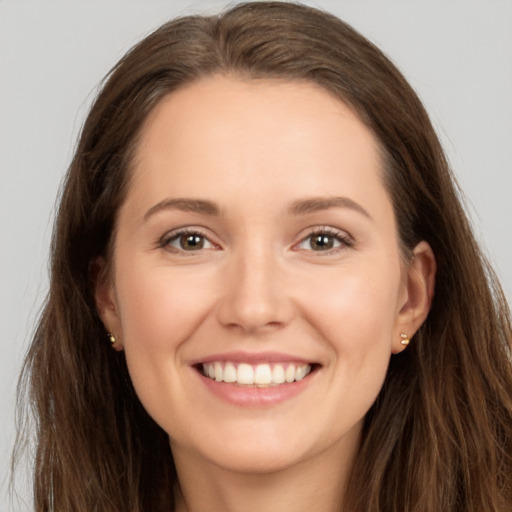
(255, 461)
(262, 452)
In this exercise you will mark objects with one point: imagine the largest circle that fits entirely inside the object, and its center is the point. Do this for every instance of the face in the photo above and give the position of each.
(257, 286)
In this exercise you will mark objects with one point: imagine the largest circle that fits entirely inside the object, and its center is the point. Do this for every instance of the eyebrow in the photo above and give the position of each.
(200, 206)
(315, 204)
(300, 207)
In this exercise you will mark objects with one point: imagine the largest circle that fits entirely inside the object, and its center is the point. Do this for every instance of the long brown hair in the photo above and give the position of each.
(439, 436)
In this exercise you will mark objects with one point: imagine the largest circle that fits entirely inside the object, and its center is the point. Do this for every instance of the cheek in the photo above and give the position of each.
(160, 310)
(160, 307)
(356, 321)
(358, 309)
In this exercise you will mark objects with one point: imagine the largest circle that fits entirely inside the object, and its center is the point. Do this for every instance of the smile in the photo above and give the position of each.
(259, 375)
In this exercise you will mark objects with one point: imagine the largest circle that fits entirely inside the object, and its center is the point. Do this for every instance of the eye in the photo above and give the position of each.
(325, 240)
(186, 240)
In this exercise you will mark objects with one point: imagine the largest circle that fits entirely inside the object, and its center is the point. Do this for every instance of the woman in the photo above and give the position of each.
(265, 293)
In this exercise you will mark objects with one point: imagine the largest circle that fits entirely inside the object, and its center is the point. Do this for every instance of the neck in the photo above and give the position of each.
(314, 484)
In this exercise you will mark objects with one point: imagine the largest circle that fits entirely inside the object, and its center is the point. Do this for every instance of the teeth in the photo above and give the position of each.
(290, 373)
(245, 374)
(218, 372)
(261, 375)
(229, 373)
(300, 372)
(278, 374)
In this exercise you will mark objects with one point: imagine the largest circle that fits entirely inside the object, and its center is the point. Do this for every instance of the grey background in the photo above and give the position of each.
(457, 54)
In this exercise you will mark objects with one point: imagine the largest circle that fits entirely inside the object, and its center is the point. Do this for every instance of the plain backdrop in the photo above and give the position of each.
(456, 53)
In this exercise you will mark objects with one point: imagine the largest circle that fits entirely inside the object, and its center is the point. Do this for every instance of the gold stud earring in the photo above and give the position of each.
(405, 340)
(112, 338)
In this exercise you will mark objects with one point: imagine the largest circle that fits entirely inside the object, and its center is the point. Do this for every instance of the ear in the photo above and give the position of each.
(418, 294)
(106, 303)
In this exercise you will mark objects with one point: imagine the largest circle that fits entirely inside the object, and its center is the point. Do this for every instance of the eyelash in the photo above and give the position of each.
(344, 240)
(166, 240)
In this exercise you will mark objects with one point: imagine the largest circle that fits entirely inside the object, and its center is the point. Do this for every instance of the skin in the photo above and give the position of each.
(255, 148)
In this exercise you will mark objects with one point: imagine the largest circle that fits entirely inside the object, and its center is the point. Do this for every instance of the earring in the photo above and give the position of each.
(112, 338)
(405, 340)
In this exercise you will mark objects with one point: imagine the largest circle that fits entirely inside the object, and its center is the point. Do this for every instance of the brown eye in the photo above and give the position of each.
(187, 241)
(322, 242)
(325, 241)
(191, 242)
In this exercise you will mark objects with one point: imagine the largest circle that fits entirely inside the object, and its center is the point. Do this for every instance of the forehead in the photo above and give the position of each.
(248, 135)
(263, 106)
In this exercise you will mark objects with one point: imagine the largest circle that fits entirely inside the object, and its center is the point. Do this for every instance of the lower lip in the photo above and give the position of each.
(249, 396)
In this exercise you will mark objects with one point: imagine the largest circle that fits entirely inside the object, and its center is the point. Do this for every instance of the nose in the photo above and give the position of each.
(255, 297)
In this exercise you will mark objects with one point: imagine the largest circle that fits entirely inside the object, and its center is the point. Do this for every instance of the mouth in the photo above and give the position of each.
(261, 375)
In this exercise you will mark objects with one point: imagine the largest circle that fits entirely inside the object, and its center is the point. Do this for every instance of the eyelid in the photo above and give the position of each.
(345, 239)
(174, 234)
(342, 236)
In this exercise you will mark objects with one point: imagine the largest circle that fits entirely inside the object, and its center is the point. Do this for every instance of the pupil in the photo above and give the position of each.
(323, 242)
(192, 242)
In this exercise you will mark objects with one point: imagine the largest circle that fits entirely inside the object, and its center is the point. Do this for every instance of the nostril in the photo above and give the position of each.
(253, 303)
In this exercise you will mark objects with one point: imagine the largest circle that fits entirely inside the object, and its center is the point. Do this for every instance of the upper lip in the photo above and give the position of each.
(252, 358)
